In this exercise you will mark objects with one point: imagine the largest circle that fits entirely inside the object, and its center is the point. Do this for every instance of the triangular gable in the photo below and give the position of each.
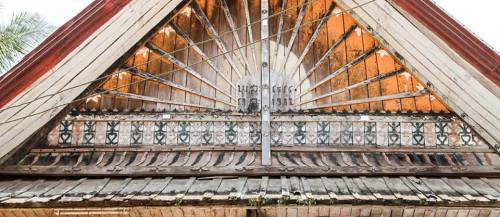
(134, 21)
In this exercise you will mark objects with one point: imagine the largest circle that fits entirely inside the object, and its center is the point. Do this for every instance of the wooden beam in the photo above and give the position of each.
(295, 31)
(315, 35)
(198, 50)
(151, 77)
(279, 33)
(153, 99)
(365, 82)
(265, 85)
(172, 59)
(371, 99)
(339, 70)
(327, 53)
(250, 33)
(211, 30)
(250, 171)
(234, 30)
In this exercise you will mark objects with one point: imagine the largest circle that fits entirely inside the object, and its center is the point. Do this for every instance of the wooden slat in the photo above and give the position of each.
(210, 29)
(373, 99)
(313, 38)
(153, 99)
(206, 58)
(240, 45)
(185, 67)
(365, 82)
(152, 77)
(338, 71)
(295, 31)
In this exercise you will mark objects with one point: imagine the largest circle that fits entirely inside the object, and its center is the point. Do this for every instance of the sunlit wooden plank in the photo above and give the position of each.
(371, 99)
(313, 38)
(198, 50)
(295, 31)
(340, 70)
(279, 33)
(172, 59)
(153, 99)
(241, 48)
(365, 82)
(149, 76)
(211, 30)
(327, 54)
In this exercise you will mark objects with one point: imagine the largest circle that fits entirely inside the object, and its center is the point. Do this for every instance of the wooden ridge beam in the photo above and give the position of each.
(153, 99)
(313, 38)
(211, 30)
(340, 70)
(325, 56)
(198, 50)
(295, 31)
(151, 77)
(371, 99)
(172, 59)
(233, 28)
(365, 82)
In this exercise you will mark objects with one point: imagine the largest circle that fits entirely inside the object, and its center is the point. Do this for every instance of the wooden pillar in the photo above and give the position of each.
(265, 85)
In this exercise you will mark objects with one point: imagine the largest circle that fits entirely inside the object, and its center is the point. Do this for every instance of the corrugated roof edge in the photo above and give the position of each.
(56, 47)
(455, 35)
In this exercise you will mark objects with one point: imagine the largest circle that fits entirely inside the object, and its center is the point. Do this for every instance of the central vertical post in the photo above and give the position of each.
(265, 85)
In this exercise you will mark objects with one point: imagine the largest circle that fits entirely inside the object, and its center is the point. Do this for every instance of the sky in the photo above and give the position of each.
(481, 16)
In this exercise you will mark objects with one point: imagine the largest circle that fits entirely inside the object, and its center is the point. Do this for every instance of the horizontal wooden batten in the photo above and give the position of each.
(251, 171)
(153, 99)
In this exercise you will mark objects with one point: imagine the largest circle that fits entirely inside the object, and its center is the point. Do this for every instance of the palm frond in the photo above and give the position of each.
(17, 38)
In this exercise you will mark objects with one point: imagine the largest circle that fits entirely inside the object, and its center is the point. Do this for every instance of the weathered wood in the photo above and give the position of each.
(149, 76)
(206, 58)
(338, 71)
(365, 82)
(241, 47)
(250, 33)
(312, 39)
(185, 67)
(265, 85)
(86, 63)
(153, 99)
(279, 34)
(295, 31)
(210, 29)
(373, 99)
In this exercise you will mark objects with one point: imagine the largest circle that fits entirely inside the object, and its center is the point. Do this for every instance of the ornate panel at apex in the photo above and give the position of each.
(209, 58)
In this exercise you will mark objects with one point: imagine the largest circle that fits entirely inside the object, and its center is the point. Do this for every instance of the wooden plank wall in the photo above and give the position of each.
(270, 211)
(200, 93)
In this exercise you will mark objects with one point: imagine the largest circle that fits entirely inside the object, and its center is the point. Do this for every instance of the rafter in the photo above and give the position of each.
(241, 50)
(365, 82)
(371, 99)
(211, 30)
(153, 99)
(298, 24)
(250, 33)
(279, 34)
(151, 77)
(340, 70)
(315, 35)
(172, 59)
(328, 52)
(198, 50)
